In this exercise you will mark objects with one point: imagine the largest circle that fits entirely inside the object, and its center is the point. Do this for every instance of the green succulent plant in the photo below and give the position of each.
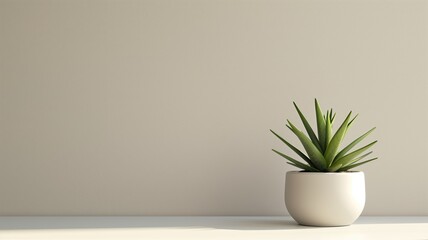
(322, 150)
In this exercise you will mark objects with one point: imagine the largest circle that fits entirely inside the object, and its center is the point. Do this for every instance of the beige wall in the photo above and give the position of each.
(163, 107)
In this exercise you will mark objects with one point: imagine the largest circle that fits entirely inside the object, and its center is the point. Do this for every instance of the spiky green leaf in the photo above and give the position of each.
(357, 159)
(332, 118)
(296, 162)
(334, 168)
(292, 164)
(349, 157)
(353, 119)
(328, 129)
(302, 155)
(350, 123)
(304, 167)
(356, 165)
(334, 144)
(308, 128)
(314, 153)
(352, 144)
(320, 126)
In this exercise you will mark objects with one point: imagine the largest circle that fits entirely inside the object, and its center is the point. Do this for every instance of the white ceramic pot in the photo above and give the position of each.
(325, 199)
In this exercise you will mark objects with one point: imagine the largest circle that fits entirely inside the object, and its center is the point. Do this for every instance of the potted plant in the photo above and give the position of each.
(325, 192)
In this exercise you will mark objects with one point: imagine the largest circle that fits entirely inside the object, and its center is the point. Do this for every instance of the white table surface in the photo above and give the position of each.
(403, 228)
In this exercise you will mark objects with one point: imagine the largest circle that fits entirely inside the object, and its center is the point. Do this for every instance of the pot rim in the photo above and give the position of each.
(325, 173)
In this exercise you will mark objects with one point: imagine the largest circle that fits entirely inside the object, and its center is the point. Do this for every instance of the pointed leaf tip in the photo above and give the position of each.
(308, 128)
(335, 141)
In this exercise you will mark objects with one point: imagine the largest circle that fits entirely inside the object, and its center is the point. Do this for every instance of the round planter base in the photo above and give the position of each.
(325, 199)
